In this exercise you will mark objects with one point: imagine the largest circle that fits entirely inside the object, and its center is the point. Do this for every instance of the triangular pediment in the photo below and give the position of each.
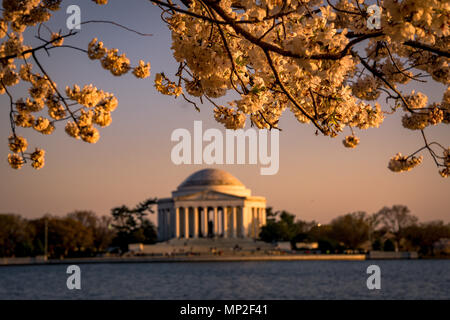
(208, 195)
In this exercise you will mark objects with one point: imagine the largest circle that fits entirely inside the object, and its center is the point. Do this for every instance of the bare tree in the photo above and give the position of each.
(396, 219)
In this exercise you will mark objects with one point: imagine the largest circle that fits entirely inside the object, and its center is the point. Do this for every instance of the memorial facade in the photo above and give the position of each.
(211, 203)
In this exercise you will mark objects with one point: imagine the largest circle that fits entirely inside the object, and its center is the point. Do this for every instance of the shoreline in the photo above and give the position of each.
(197, 258)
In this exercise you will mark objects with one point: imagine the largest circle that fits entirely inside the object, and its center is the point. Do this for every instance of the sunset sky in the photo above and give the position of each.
(318, 178)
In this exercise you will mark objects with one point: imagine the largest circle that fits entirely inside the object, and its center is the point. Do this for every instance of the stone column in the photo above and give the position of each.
(159, 224)
(258, 221)
(172, 222)
(241, 229)
(263, 222)
(163, 224)
(186, 223)
(225, 221)
(248, 215)
(249, 221)
(205, 222)
(195, 222)
(253, 222)
(244, 221)
(177, 222)
(168, 223)
(234, 217)
(216, 222)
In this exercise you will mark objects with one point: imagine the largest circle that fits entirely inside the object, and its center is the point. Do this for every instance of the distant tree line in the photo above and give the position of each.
(389, 229)
(84, 234)
(77, 234)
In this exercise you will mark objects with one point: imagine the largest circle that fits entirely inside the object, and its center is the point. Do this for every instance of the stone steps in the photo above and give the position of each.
(206, 245)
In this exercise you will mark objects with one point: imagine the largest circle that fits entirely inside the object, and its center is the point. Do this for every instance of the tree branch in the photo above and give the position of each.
(288, 94)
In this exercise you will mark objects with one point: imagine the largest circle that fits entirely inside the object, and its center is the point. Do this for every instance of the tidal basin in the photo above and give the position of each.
(400, 279)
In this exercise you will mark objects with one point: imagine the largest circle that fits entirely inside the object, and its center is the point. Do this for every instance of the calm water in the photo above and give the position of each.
(421, 279)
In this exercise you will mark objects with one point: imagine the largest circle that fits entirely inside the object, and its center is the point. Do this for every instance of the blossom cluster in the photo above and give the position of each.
(350, 141)
(98, 107)
(400, 163)
(100, 2)
(230, 118)
(335, 92)
(418, 115)
(45, 105)
(318, 86)
(117, 64)
(167, 87)
(445, 172)
(18, 145)
(420, 120)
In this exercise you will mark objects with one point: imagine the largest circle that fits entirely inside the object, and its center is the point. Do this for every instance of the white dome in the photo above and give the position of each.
(212, 179)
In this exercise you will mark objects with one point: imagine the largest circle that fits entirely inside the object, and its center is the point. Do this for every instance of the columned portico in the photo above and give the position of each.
(211, 203)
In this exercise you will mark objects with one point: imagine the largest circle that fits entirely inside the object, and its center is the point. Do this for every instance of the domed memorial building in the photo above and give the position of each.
(211, 203)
